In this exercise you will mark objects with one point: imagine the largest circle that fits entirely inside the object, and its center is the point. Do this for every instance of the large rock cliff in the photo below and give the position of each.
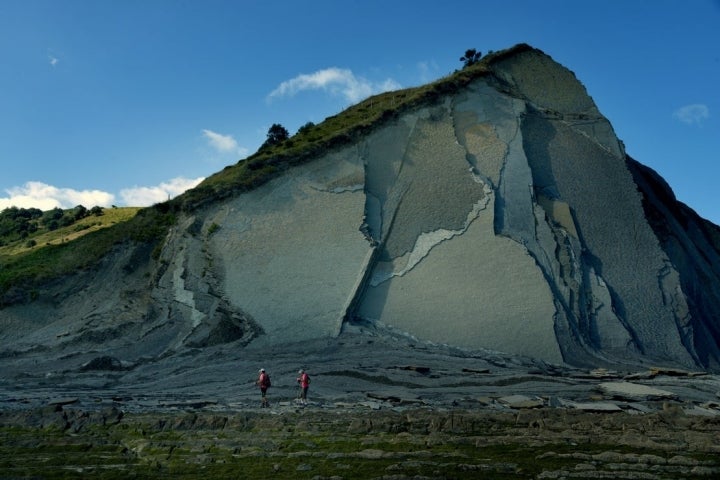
(504, 215)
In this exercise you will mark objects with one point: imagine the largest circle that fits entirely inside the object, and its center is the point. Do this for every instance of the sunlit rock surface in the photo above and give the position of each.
(290, 253)
(502, 217)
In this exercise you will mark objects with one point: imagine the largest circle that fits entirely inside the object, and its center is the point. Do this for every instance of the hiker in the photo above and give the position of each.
(263, 382)
(304, 381)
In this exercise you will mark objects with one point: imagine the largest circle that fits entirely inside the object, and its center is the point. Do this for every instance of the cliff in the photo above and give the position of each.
(501, 215)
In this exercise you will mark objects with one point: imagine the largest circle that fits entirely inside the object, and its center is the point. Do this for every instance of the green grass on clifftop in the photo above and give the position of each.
(335, 131)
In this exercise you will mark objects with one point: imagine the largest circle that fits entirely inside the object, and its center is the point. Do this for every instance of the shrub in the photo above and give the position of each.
(471, 57)
(275, 136)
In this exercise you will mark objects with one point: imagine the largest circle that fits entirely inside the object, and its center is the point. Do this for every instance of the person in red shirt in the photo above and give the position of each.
(304, 381)
(263, 382)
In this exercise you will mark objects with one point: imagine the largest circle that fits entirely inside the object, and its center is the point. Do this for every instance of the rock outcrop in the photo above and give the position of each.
(503, 216)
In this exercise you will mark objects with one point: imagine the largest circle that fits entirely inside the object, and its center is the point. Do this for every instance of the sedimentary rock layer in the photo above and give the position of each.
(503, 216)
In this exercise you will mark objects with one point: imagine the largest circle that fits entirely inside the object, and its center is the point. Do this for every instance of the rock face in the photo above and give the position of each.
(504, 216)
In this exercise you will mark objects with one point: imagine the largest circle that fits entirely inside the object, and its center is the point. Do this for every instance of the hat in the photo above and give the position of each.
(300, 371)
(262, 369)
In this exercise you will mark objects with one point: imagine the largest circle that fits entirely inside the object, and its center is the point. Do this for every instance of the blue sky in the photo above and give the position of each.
(130, 102)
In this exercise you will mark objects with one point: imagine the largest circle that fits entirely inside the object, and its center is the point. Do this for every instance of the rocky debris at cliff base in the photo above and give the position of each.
(351, 370)
(634, 391)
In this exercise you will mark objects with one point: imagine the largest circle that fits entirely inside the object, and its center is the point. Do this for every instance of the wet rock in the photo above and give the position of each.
(199, 403)
(104, 362)
(521, 401)
(593, 406)
(702, 411)
(603, 373)
(647, 375)
(634, 391)
(639, 407)
(415, 368)
(59, 402)
(385, 398)
(675, 372)
(473, 370)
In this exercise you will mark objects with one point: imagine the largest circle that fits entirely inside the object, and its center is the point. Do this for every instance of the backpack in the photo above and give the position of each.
(267, 383)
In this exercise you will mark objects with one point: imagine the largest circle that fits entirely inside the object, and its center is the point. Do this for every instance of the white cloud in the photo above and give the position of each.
(337, 81)
(146, 196)
(427, 70)
(221, 143)
(692, 114)
(46, 197)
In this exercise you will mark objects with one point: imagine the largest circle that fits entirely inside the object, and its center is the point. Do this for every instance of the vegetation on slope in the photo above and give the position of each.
(46, 253)
(23, 229)
(26, 268)
(335, 131)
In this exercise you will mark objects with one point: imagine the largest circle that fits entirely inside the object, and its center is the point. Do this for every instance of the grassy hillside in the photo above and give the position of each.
(43, 233)
(45, 254)
(26, 265)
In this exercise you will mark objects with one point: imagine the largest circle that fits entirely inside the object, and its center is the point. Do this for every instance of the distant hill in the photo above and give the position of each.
(22, 229)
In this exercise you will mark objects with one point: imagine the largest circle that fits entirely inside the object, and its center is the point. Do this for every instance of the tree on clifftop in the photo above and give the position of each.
(471, 57)
(276, 134)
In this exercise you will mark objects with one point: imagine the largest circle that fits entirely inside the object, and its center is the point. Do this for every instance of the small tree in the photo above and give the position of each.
(276, 135)
(79, 212)
(306, 128)
(471, 57)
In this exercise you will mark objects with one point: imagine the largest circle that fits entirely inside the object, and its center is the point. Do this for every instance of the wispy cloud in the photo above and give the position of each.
(221, 143)
(224, 143)
(336, 81)
(146, 196)
(46, 197)
(693, 114)
(53, 58)
(427, 70)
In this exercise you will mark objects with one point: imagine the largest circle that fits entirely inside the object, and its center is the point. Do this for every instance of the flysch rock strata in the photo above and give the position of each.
(290, 252)
(504, 216)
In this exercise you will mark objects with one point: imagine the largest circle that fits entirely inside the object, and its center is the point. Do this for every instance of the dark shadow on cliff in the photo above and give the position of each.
(693, 246)
(538, 135)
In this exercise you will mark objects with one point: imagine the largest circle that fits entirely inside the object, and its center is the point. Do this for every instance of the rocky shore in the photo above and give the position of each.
(381, 406)
(355, 442)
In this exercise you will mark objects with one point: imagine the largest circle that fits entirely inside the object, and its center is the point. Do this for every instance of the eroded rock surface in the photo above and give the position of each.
(504, 216)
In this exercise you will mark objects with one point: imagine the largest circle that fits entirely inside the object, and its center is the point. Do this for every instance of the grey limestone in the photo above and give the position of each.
(292, 251)
(634, 391)
(503, 216)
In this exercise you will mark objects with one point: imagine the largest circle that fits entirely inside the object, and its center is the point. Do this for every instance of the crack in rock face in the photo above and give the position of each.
(426, 242)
